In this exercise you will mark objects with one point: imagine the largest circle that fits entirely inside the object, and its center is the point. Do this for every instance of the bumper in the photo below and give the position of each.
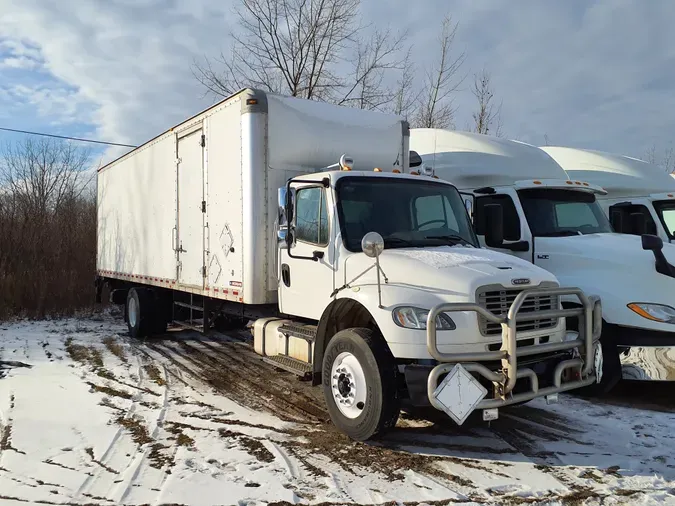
(648, 363)
(582, 358)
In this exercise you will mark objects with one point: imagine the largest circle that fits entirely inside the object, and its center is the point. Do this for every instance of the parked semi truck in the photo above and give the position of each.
(640, 196)
(298, 215)
(525, 204)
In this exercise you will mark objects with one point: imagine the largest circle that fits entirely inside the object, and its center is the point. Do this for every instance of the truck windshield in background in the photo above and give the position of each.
(405, 213)
(559, 213)
(666, 211)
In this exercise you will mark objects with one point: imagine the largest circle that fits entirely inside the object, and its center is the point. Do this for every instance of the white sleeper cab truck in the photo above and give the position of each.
(640, 196)
(524, 204)
(368, 281)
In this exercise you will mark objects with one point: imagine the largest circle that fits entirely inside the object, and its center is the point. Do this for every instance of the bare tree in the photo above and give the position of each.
(305, 48)
(374, 56)
(666, 160)
(487, 118)
(405, 96)
(436, 108)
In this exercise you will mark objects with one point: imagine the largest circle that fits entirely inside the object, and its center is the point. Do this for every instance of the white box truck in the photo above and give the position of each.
(368, 281)
(640, 196)
(525, 204)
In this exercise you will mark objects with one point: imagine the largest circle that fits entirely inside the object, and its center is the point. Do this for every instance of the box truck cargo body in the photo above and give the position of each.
(193, 209)
(525, 204)
(366, 280)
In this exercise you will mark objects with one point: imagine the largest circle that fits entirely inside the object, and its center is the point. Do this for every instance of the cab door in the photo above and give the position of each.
(306, 277)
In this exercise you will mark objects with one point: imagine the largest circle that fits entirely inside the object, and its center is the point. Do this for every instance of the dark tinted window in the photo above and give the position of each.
(557, 213)
(511, 219)
(621, 217)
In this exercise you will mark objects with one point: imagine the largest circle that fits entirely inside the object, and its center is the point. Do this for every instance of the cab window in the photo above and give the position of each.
(311, 220)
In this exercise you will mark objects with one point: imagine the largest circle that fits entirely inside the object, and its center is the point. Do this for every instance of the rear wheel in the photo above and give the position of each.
(144, 313)
(359, 382)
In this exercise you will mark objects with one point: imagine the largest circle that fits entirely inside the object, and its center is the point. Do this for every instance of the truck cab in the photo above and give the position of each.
(640, 197)
(387, 298)
(524, 204)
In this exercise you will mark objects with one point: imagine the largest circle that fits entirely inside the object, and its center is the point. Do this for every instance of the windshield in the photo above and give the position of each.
(666, 211)
(557, 213)
(405, 213)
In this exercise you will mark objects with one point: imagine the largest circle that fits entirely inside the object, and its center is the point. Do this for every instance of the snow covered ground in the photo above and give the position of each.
(90, 416)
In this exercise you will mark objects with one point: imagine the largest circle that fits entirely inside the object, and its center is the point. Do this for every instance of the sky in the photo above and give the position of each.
(596, 75)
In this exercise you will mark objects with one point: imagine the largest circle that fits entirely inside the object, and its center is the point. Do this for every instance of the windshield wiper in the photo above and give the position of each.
(399, 241)
(560, 233)
(453, 238)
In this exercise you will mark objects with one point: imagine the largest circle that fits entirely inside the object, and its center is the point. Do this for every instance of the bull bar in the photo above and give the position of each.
(590, 325)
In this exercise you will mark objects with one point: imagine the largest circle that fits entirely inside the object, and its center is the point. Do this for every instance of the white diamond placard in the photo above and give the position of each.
(459, 394)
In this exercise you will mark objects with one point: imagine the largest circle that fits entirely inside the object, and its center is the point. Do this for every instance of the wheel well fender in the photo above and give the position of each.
(341, 314)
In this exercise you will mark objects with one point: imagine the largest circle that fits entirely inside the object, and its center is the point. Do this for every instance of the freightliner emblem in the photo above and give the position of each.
(520, 281)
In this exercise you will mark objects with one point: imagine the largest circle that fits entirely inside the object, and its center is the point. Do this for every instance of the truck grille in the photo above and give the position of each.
(498, 300)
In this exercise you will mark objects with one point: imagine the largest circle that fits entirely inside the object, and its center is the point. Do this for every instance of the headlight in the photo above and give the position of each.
(654, 312)
(416, 318)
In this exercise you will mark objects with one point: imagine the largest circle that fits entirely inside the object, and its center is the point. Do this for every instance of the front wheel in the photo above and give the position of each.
(359, 384)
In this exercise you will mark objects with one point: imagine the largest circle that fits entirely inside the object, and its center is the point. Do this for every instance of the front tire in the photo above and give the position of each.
(359, 383)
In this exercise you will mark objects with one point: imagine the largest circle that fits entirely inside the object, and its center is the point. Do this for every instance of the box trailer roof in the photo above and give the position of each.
(471, 160)
(621, 176)
(299, 125)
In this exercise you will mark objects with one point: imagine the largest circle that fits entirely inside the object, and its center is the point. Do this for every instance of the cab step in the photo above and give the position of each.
(306, 332)
(292, 365)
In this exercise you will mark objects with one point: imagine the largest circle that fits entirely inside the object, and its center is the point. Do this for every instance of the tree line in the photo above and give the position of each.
(47, 229)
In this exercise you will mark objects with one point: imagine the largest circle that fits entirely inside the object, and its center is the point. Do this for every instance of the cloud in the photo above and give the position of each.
(586, 74)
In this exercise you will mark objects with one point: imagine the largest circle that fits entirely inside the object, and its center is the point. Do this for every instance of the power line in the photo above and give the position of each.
(67, 138)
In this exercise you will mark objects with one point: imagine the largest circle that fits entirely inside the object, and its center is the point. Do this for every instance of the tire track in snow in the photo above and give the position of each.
(142, 461)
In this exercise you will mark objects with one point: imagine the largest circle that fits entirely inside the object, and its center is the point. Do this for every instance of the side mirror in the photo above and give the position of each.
(281, 199)
(372, 244)
(652, 243)
(638, 223)
(285, 201)
(415, 159)
(494, 225)
(616, 220)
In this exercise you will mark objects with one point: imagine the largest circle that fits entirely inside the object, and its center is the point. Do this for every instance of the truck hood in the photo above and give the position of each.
(454, 271)
(605, 250)
(614, 267)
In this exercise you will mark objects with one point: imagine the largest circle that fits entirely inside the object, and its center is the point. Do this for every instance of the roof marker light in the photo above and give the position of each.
(536, 182)
(415, 173)
(376, 169)
(396, 171)
(569, 182)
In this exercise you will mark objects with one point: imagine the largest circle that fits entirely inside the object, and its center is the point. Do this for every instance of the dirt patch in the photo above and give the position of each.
(90, 452)
(109, 391)
(115, 348)
(389, 462)
(138, 431)
(252, 446)
(181, 438)
(88, 355)
(154, 374)
(159, 457)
